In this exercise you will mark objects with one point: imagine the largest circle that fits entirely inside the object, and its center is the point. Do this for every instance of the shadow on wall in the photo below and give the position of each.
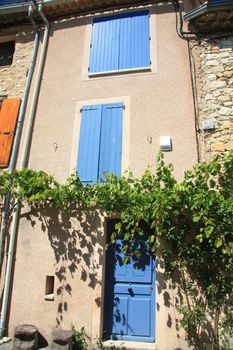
(173, 295)
(76, 239)
(170, 296)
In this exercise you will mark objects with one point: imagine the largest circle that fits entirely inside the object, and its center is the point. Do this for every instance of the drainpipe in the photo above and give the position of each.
(25, 96)
(25, 154)
(18, 131)
(36, 91)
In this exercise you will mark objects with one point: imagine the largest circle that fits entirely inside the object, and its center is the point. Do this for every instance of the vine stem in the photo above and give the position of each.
(183, 284)
(215, 328)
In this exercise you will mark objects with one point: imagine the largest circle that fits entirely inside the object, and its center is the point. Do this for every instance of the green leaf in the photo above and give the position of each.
(208, 230)
(199, 237)
(218, 242)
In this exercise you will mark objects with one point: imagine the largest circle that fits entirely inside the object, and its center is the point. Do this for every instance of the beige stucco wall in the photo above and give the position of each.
(160, 102)
(71, 248)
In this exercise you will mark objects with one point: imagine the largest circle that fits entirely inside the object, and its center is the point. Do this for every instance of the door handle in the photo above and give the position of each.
(130, 290)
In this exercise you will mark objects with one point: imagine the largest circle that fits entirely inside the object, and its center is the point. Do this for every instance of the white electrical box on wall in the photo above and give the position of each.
(208, 124)
(165, 143)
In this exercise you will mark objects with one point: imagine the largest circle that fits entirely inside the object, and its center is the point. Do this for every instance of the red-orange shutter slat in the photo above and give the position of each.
(8, 119)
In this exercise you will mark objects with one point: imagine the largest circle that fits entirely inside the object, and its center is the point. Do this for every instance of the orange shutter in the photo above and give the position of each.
(8, 118)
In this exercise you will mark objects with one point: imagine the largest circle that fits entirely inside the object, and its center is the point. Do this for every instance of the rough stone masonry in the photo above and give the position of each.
(13, 77)
(215, 95)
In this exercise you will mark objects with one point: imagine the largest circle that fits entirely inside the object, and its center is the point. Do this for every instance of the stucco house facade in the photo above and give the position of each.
(92, 91)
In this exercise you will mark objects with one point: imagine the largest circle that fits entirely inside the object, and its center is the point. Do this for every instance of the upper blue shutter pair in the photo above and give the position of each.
(100, 142)
(120, 42)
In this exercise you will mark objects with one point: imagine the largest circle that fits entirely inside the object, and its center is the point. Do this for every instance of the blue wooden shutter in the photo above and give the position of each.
(6, 2)
(111, 139)
(89, 143)
(134, 41)
(105, 44)
(120, 42)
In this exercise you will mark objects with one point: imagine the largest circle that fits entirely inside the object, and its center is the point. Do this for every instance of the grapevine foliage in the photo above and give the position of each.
(191, 226)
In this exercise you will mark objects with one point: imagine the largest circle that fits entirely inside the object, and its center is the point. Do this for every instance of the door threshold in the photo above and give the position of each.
(129, 345)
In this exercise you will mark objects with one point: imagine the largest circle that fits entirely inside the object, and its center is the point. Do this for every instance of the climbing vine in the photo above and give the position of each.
(190, 225)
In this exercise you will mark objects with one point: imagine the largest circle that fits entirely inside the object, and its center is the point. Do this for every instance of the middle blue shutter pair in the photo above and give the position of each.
(100, 141)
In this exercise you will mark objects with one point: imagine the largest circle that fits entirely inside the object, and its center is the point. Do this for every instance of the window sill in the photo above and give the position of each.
(6, 65)
(120, 71)
(49, 297)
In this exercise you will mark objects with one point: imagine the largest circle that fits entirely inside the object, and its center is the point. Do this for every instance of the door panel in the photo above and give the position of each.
(140, 325)
(137, 270)
(133, 289)
(129, 295)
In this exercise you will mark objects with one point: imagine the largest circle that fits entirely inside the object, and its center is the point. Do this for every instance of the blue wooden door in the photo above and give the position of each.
(129, 296)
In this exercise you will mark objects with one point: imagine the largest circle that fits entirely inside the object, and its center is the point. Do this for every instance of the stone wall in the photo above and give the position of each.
(12, 78)
(215, 96)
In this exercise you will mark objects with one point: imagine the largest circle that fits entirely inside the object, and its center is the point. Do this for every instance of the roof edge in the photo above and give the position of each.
(206, 8)
(23, 7)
